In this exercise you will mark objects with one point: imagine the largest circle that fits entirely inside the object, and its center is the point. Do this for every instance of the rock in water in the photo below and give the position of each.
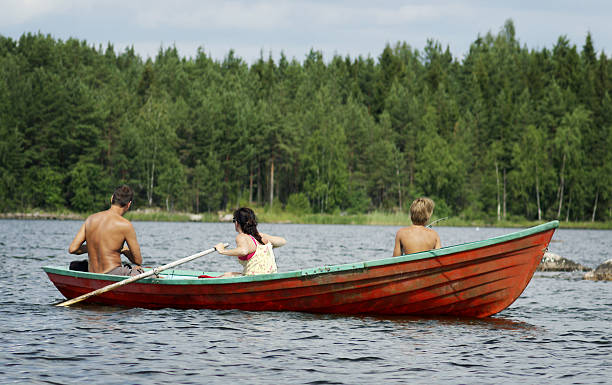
(226, 218)
(195, 217)
(602, 273)
(554, 262)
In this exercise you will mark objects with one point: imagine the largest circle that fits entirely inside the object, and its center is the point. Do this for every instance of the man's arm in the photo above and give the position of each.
(133, 254)
(78, 246)
(397, 250)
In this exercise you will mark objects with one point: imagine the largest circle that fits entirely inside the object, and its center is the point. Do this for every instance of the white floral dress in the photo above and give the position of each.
(262, 261)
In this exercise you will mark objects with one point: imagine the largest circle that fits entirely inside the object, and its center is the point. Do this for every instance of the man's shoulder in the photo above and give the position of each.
(95, 217)
(109, 218)
(123, 221)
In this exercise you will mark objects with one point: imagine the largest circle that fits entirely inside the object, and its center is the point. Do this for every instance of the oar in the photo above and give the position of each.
(137, 277)
(436, 221)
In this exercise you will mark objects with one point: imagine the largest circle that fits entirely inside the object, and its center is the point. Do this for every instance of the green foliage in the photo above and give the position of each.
(505, 133)
(91, 189)
(298, 204)
(207, 178)
(44, 189)
(173, 184)
(358, 201)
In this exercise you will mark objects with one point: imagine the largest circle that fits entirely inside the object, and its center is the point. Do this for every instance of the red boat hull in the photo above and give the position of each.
(475, 280)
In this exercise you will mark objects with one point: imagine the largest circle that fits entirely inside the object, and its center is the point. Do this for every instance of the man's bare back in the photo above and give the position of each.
(415, 238)
(102, 237)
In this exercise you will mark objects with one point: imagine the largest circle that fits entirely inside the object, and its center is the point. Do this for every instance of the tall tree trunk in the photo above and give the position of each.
(225, 197)
(326, 200)
(595, 206)
(561, 187)
(195, 184)
(197, 201)
(505, 195)
(271, 181)
(150, 192)
(538, 196)
(411, 176)
(277, 187)
(251, 185)
(399, 188)
(108, 151)
(498, 200)
(259, 184)
(153, 161)
(152, 178)
(569, 205)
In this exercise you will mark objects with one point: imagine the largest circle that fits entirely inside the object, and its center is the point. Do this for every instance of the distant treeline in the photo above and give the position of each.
(505, 132)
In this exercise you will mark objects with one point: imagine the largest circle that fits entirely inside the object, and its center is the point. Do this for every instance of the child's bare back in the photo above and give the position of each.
(414, 239)
(417, 237)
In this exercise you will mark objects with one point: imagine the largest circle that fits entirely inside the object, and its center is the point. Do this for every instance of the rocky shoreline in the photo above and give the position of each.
(603, 272)
(222, 216)
(39, 215)
(554, 262)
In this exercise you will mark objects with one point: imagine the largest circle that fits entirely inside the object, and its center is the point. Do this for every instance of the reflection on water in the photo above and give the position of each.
(556, 332)
(495, 322)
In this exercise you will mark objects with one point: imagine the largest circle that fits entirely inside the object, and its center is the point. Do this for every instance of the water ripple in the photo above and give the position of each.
(556, 332)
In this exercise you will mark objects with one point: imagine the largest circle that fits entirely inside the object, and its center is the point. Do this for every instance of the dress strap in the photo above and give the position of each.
(249, 256)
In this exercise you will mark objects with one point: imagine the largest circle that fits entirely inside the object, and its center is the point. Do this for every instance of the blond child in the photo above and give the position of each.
(417, 237)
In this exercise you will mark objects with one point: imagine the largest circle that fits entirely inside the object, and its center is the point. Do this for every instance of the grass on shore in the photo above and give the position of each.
(373, 218)
(168, 216)
(279, 216)
(403, 219)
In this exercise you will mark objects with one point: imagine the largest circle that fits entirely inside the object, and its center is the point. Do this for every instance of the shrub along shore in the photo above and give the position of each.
(280, 216)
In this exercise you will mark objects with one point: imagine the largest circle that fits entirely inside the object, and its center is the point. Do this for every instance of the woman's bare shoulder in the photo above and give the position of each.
(242, 236)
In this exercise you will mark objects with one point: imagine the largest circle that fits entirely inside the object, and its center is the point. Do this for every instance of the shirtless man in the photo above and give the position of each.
(417, 237)
(103, 234)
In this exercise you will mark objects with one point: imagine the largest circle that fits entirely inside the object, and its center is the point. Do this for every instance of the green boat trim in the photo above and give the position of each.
(190, 277)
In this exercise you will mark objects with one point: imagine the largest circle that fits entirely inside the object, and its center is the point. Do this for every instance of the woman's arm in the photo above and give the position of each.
(274, 240)
(244, 246)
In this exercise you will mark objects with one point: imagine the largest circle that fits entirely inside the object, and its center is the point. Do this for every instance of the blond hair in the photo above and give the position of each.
(421, 210)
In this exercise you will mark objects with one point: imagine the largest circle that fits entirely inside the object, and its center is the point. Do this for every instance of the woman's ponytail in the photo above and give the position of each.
(248, 222)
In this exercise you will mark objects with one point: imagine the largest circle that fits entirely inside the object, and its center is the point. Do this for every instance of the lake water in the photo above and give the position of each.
(558, 331)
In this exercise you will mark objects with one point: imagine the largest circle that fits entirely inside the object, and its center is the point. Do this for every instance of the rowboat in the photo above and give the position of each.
(475, 279)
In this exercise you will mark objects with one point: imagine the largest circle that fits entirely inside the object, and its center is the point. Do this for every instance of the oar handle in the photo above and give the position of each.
(436, 221)
(135, 278)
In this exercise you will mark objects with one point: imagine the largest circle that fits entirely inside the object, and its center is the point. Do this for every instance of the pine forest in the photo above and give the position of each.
(503, 132)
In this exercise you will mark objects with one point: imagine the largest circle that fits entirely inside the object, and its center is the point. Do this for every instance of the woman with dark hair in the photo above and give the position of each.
(253, 249)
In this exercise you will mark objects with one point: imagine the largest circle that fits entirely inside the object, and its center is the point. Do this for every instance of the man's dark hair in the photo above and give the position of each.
(122, 195)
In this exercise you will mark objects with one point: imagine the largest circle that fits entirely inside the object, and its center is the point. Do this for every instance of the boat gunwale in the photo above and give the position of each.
(193, 280)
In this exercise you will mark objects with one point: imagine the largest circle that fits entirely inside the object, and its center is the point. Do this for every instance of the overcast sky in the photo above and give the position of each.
(345, 27)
